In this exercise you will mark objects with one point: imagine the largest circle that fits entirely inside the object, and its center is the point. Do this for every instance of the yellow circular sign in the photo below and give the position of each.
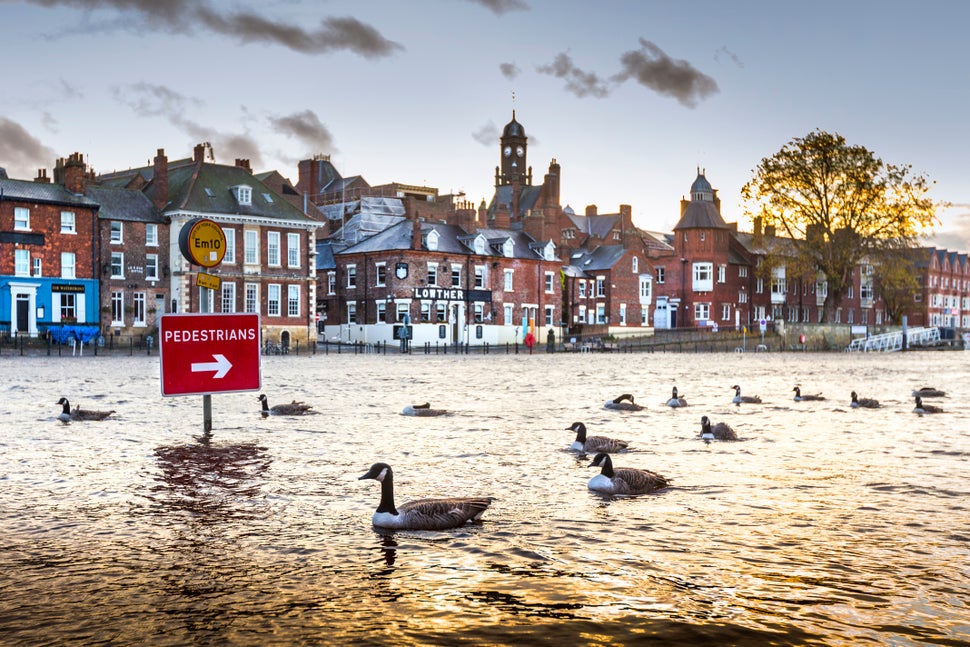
(202, 242)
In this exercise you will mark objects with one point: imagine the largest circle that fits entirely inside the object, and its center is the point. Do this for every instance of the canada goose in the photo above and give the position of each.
(293, 408)
(422, 514)
(720, 431)
(738, 398)
(623, 403)
(929, 392)
(623, 480)
(422, 410)
(802, 398)
(676, 400)
(863, 403)
(926, 408)
(594, 444)
(78, 413)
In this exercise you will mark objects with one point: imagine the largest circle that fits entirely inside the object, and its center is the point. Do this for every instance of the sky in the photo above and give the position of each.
(630, 97)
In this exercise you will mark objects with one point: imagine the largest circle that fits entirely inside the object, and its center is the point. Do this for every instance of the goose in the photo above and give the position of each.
(926, 408)
(422, 410)
(623, 403)
(738, 398)
(623, 480)
(929, 392)
(676, 400)
(78, 413)
(720, 431)
(293, 408)
(594, 444)
(802, 398)
(863, 403)
(422, 514)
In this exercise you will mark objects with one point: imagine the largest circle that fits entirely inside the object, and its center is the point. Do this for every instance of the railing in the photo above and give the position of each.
(893, 341)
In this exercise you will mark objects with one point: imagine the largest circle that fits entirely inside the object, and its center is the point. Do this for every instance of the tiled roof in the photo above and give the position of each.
(602, 258)
(42, 192)
(701, 214)
(124, 204)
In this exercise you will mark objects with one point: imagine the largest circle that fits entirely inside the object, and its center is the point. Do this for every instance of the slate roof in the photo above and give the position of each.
(701, 214)
(598, 226)
(600, 259)
(42, 192)
(528, 196)
(124, 204)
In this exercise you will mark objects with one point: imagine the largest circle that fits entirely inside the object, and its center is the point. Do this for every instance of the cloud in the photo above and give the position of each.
(578, 82)
(509, 70)
(306, 127)
(500, 7)
(184, 16)
(21, 152)
(957, 234)
(728, 53)
(487, 135)
(651, 67)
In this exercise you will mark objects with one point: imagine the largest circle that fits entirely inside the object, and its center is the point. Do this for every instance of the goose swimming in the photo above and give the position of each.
(422, 514)
(863, 403)
(623, 480)
(929, 392)
(739, 399)
(293, 408)
(676, 400)
(720, 431)
(78, 413)
(623, 403)
(422, 410)
(926, 408)
(594, 444)
(803, 398)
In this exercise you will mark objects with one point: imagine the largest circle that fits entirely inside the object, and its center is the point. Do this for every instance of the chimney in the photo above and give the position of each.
(159, 189)
(198, 153)
(75, 177)
(769, 230)
(416, 233)
(42, 176)
(243, 163)
(591, 210)
(626, 218)
(757, 225)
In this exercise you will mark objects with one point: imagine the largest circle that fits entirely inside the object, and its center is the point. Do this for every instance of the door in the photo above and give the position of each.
(23, 313)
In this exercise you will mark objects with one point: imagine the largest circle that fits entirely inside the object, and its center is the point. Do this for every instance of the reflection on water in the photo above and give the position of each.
(822, 525)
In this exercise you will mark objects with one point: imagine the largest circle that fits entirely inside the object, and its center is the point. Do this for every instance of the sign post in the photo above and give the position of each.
(203, 353)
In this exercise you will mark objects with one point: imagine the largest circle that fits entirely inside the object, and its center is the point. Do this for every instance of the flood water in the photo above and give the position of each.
(822, 525)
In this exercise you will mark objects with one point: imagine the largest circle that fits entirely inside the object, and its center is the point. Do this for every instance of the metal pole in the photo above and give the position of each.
(206, 399)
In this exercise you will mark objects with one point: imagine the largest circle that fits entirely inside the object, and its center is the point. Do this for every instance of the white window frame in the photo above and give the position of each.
(380, 274)
(352, 276)
(151, 267)
(21, 262)
(68, 265)
(230, 256)
(68, 222)
(293, 250)
(509, 279)
(703, 277)
(139, 304)
(550, 282)
(21, 218)
(117, 262)
(432, 273)
(273, 296)
(455, 275)
(292, 300)
(151, 235)
(507, 310)
(228, 296)
(117, 236)
(251, 298)
(117, 307)
(38, 269)
(702, 311)
(251, 247)
(273, 249)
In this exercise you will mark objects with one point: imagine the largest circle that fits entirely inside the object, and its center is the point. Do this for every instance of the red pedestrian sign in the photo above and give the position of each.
(209, 353)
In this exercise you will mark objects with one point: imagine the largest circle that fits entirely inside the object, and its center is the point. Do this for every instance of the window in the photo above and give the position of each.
(636, 265)
(601, 286)
(850, 293)
(479, 309)
(117, 265)
(479, 276)
(661, 274)
(582, 289)
(721, 273)
(118, 307)
(21, 218)
(293, 300)
(508, 280)
(68, 224)
(479, 244)
(440, 312)
(273, 300)
(244, 194)
(550, 313)
(507, 314)
(703, 277)
(402, 310)
(645, 288)
(331, 283)
(550, 282)
(252, 297)
(600, 313)
(151, 235)
(251, 252)
(117, 232)
(702, 311)
(228, 297)
(273, 248)
(21, 266)
(426, 311)
(230, 256)
(38, 267)
(456, 276)
(742, 272)
(138, 303)
(351, 276)
(68, 265)
(725, 312)
(644, 316)
(381, 311)
(742, 297)
(622, 314)
(381, 274)
(151, 267)
(68, 307)
(293, 250)
(351, 313)
(432, 274)
(779, 287)
(759, 285)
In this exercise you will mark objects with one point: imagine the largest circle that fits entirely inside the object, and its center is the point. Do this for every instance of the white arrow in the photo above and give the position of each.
(221, 366)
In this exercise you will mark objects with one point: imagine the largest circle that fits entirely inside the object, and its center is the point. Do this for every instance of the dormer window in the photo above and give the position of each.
(508, 248)
(431, 240)
(243, 194)
(549, 251)
(479, 244)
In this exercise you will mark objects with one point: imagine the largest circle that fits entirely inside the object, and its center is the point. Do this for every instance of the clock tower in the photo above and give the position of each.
(513, 145)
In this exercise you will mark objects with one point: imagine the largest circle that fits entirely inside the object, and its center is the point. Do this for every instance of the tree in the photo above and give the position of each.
(895, 278)
(841, 203)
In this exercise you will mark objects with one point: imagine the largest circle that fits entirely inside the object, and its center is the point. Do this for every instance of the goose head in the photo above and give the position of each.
(580, 430)
(603, 460)
(378, 472)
